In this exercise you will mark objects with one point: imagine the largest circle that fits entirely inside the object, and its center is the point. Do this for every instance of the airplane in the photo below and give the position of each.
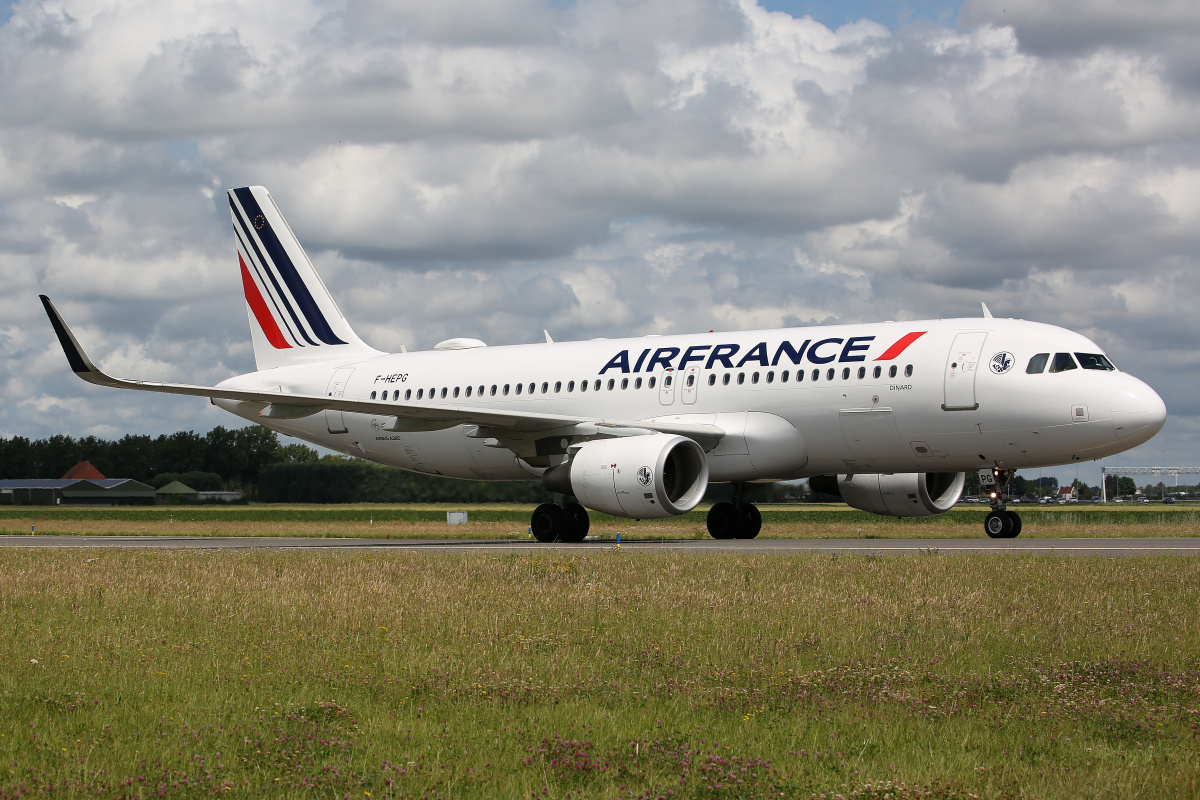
(888, 416)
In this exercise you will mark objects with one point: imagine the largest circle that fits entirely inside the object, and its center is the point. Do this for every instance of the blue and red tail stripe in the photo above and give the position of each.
(277, 266)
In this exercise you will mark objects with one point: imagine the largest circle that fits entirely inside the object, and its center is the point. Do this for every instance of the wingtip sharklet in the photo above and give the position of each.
(80, 364)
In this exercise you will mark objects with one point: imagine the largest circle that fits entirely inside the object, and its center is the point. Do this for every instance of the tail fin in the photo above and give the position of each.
(293, 318)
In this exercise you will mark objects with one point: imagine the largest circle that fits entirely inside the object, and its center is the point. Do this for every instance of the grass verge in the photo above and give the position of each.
(611, 675)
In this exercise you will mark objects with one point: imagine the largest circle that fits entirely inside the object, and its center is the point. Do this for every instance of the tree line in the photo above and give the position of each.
(236, 455)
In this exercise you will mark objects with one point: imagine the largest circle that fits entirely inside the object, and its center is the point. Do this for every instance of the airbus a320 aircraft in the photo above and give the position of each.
(888, 416)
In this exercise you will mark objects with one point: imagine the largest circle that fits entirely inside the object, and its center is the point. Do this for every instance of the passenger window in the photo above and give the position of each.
(557, 387)
(667, 379)
(481, 391)
(770, 377)
(531, 388)
(783, 376)
(597, 386)
(1062, 362)
(754, 378)
(816, 375)
(830, 373)
(583, 386)
(725, 380)
(396, 395)
(506, 390)
(877, 372)
(712, 379)
(492, 391)
(624, 384)
(611, 384)
(862, 373)
(545, 387)
(570, 386)
(637, 383)
(419, 393)
(520, 387)
(456, 391)
(892, 371)
(846, 373)
(691, 380)
(372, 395)
(908, 371)
(408, 394)
(1095, 361)
(741, 378)
(443, 392)
(651, 382)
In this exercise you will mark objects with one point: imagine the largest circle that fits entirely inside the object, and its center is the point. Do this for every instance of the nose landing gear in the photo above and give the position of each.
(1000, 523)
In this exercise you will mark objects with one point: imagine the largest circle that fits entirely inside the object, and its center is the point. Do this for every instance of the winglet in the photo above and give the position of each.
(548, 339)
(986, 313)
(80, 364)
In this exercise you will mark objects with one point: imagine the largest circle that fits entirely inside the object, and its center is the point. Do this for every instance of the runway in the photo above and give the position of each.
(981, 546)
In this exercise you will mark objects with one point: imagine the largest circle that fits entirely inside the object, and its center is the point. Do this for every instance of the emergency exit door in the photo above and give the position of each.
(337, 388)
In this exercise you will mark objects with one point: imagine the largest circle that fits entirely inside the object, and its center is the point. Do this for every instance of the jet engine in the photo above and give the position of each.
(641, 477)
(904, 494)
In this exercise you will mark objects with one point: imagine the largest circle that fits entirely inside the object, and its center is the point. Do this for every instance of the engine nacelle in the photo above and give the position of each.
(642, 477)
(904, 494)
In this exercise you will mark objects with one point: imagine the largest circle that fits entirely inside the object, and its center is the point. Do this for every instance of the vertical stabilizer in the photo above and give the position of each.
(293, 318)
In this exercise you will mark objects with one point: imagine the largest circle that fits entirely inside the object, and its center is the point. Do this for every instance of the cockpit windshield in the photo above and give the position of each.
(1095, 361)
(1062, 362)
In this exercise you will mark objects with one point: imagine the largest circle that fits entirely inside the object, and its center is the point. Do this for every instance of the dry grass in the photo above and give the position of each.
(1059, 526)
(606, 675)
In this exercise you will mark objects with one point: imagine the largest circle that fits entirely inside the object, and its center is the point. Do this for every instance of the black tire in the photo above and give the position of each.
(577, 516)
(549, 522)
(751, 521)
(724, 521)
(998, 525)
(1016, 524)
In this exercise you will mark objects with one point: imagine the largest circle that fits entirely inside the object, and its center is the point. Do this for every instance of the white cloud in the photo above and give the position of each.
(597, 169)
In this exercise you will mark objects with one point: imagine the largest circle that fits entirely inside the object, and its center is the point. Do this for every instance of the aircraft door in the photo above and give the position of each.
(691, 383)
(961, 368)
(337, 388)
(666, 386)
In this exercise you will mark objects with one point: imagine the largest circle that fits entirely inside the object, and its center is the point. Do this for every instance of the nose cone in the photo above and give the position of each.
(1138, 413)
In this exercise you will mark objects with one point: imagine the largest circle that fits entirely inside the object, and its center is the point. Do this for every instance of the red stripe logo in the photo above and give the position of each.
(261, 312)
(900, 346)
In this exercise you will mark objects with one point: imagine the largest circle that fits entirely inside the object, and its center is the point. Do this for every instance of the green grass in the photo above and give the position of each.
(607, 675)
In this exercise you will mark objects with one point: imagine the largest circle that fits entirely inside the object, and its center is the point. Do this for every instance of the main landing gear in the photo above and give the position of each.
(554, 523)
(1000, 523)
(736, 520)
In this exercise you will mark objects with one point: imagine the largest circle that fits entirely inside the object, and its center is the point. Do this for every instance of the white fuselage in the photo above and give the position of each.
(949, 400)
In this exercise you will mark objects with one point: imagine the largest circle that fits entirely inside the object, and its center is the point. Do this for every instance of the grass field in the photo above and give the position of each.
(511, 522)
(612, 675)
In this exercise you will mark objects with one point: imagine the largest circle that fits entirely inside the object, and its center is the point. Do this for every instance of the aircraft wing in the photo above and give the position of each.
(408, 416)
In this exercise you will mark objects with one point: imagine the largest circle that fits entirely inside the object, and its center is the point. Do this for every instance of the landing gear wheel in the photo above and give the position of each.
(751, 521)
(580, 522)
(999, 524)
(549, 522)
(724, 521)
(1016, 524)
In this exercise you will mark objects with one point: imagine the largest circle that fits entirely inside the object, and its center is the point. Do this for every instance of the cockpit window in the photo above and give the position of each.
(1037, 364)
(1062, 362)
(1095, 361)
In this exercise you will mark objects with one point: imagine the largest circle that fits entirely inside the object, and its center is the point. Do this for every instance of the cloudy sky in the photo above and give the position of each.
(490, 168)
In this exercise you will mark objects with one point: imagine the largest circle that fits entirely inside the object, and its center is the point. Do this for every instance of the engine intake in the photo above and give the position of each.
(642, 477)
(904, 494)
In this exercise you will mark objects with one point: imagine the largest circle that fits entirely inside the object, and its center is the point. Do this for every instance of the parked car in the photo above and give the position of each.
(1168, 499)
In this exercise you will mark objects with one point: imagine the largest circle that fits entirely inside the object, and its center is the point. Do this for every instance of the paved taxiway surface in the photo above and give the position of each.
(1065, 547)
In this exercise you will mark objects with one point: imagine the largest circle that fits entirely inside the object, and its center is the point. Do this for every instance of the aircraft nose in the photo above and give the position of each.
(1138, 412)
